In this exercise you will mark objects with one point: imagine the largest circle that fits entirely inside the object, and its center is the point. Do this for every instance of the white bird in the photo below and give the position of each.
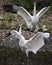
(31, 21)
(31, 45)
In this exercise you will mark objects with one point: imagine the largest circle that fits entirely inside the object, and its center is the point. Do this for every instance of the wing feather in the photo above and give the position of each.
(36, 43)
(25, 14)
(42, 11)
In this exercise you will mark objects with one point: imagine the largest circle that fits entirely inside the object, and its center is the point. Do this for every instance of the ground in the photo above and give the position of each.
(9, 48)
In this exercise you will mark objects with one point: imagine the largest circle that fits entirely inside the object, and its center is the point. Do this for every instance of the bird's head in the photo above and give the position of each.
(9, 8)
(34, 3)
(19, 27)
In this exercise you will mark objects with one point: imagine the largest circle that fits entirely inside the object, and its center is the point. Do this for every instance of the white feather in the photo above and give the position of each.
(25, 14)
(42, 11)
(46, 35)
(33, 44)
(30, 20)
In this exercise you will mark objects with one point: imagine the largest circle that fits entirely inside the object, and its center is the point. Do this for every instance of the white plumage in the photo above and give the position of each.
(30, 20)
(46, 35)
(31, 45)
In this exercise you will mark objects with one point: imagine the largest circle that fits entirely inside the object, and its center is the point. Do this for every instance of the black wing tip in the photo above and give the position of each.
(9, 8)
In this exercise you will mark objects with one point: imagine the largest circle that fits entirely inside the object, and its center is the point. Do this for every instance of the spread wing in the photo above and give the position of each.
(35, 43)
(42, 11)
(25, 14)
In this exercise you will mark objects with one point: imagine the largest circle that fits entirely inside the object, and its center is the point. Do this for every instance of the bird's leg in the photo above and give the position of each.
(36, 29)
(30, 32)
(27, 60)
(27, 57)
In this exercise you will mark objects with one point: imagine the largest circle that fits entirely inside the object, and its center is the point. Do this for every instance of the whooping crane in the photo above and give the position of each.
(31, 45)
(31, 21)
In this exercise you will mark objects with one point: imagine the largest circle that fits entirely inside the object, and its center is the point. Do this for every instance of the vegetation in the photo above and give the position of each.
(28, 4)
(9, 17)
(12, 56)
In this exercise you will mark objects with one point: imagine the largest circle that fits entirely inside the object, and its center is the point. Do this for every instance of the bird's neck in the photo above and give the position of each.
(22, 41)
(17, 35)
(20, 36)
(34, 10)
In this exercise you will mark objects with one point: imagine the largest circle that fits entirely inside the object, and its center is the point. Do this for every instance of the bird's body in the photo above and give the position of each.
(31, 21)
(36, 42)
(31, 45)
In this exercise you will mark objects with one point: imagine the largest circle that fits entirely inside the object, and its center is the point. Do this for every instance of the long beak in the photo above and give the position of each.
(7, 34)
